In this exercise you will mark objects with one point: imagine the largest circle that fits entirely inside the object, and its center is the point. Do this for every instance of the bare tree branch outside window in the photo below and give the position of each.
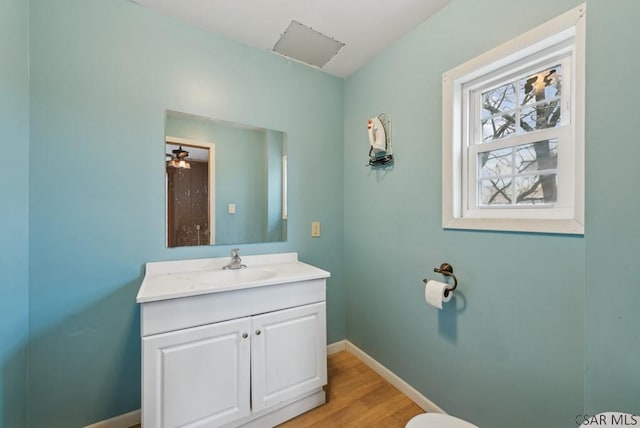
(525, 174)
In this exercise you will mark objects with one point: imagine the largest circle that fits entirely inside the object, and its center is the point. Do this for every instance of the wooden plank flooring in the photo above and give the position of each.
(357, 397)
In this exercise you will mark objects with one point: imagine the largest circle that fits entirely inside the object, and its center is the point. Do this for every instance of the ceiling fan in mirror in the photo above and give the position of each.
(178, 159)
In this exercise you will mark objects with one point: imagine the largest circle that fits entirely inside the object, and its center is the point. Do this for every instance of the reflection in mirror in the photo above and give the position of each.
(225, 182)
(191, 209)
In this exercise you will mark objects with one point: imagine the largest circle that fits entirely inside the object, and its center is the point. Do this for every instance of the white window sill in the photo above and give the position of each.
(562, 226)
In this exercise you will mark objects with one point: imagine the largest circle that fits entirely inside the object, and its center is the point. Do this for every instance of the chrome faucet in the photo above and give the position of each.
(236, 261)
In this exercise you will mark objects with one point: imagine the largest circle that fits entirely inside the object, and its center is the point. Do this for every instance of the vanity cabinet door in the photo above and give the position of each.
(288, 354)
(197, 377)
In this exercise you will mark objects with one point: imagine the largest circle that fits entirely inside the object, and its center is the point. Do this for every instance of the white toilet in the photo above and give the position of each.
(437, 420)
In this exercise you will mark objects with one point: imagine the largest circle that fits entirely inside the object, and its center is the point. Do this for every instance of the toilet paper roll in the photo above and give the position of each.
(434, 293)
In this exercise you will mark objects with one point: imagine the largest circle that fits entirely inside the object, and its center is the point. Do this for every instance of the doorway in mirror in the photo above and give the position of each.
(189, 186)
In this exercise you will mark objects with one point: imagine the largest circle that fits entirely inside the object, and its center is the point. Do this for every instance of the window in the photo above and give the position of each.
(513, 134)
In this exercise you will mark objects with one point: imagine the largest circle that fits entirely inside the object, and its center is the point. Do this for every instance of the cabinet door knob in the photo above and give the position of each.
(245, 335)
(258, 332)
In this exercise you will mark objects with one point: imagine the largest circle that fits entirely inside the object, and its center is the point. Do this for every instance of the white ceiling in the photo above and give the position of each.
(366, 27)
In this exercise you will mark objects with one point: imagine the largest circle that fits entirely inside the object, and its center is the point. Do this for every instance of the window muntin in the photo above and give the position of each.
(517, 126)
(518, 176)
(522, 105)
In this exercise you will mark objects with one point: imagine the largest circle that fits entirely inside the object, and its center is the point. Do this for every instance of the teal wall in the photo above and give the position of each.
(510, 346)
(541, 329)
(102, 75)
(612, 312)
(544, 327)
(14, 210)
(275, 149)
(241, 180)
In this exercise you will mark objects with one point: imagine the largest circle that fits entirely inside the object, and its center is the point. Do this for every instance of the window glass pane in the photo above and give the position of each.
(499, 100)
(541, 116)
(495, 192)
(541, 86)
(495, 163)
(542, 189)
(542, 155)
(498, 127)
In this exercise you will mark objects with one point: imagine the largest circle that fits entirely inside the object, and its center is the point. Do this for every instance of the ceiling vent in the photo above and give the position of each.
(305, 44)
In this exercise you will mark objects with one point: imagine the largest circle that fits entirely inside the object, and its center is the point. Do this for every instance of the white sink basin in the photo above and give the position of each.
(232, 276)
(184, 278)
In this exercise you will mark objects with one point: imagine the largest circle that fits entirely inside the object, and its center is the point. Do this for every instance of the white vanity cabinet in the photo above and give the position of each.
(199, 375)
(288, 354)
(248, 354)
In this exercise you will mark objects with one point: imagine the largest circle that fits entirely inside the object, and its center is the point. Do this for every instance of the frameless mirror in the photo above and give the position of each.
(226, 183)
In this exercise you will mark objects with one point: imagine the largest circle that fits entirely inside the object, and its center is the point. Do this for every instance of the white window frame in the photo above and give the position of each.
(560, 40)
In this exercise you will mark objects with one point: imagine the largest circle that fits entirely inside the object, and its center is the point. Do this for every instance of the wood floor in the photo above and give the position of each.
(357, 397)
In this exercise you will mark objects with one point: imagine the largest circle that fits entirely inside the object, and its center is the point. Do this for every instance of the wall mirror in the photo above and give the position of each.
(226, 183)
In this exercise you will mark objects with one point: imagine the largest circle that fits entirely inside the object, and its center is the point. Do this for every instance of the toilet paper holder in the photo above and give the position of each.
(447, 270)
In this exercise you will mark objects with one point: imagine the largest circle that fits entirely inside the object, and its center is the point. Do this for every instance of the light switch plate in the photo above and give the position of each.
(315, 229)
(232, 208)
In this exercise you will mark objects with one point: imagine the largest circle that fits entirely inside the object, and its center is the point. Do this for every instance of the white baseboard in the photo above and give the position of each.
(393, 379)
(123, 421)
(336, 347)
(133, 418)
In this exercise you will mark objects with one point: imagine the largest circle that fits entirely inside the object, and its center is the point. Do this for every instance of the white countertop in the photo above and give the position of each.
(184, 278)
